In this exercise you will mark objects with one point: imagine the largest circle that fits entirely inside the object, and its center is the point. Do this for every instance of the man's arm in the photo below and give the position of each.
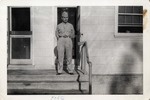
(72, 32)
(56, 33)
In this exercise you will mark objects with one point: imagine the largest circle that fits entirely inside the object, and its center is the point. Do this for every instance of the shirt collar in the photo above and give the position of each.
(65, 23)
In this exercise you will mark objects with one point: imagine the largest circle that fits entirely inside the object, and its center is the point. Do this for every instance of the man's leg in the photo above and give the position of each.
(68, 47)
(60, 48)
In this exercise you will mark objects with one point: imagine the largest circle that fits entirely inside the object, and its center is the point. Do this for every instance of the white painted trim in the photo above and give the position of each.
(20, 6)
(10, 49)
(20, 36)
(10, 28)
(53, 32)
(32, 36)
(55, 19)
(123, 34)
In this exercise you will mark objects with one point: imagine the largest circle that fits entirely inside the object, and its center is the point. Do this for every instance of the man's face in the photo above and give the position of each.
(64, 17)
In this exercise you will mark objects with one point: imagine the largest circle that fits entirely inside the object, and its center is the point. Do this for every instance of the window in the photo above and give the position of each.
(20, 21)
(129, 21)
(20, 35)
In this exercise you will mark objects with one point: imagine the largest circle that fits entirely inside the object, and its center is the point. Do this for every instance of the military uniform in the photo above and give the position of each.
(64, 33)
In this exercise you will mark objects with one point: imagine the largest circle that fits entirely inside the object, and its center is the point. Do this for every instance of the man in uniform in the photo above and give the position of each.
(64, 33)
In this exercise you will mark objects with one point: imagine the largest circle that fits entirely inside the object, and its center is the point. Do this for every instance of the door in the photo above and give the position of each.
(74, 19)
(20, 35)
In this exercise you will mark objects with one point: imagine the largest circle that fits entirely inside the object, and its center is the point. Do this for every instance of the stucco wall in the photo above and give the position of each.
(43, 37)
(109, 54)
(117, 84)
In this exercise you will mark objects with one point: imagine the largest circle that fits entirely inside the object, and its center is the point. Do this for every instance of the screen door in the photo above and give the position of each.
(20, 35)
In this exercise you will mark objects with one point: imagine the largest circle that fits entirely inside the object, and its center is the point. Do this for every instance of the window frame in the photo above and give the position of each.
(117, 34)
(26, 34)
(10, 23)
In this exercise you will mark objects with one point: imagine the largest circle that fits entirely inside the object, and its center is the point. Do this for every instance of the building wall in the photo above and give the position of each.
(44, 22)
(109, 54)
(43, 37)
(117, 84)
(117, 61)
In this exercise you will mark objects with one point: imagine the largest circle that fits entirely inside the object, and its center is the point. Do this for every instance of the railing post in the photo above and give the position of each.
(83, 59)
(90, 68)
(90, 78)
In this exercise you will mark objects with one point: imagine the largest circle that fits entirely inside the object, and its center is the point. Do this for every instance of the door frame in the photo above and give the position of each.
(19, 61)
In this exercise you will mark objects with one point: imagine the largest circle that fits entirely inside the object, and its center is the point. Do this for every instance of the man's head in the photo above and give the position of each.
(64, 16)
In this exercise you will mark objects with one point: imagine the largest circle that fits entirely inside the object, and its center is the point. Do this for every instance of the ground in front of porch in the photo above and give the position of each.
(33, 81)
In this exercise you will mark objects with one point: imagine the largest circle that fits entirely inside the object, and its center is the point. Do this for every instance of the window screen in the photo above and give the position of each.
(20, 19)
(130, 19)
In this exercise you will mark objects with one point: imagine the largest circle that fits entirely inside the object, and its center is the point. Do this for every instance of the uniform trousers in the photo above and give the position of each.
(64, 46)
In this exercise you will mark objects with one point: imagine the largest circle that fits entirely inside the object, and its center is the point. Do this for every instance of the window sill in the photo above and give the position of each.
(133, 35)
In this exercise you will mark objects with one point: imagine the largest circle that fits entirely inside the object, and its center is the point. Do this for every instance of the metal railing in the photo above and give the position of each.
(85, 59)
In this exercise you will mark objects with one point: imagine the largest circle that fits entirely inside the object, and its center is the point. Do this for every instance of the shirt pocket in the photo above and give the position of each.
(60, 30)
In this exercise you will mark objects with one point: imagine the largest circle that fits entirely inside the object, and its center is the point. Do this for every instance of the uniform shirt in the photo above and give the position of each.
(65, 29)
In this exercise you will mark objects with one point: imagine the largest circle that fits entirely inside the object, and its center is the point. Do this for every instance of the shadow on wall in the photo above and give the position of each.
(128, 83)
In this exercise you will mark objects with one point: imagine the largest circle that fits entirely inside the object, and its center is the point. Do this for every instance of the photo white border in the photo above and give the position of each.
(3, 48)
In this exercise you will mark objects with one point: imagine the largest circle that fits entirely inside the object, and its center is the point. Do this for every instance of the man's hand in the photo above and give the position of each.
(72, 36)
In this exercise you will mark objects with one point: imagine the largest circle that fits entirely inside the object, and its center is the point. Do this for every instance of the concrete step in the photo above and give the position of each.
(49, 85)
(46, 82)
(46, 91)
(46, 78)
(31, 72)
(43, 75)
(39, 72)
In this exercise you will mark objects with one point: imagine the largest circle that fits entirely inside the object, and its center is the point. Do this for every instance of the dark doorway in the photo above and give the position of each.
(74, 20)
(72, 15)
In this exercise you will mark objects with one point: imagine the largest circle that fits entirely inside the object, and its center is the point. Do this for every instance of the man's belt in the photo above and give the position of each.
(65, 36)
